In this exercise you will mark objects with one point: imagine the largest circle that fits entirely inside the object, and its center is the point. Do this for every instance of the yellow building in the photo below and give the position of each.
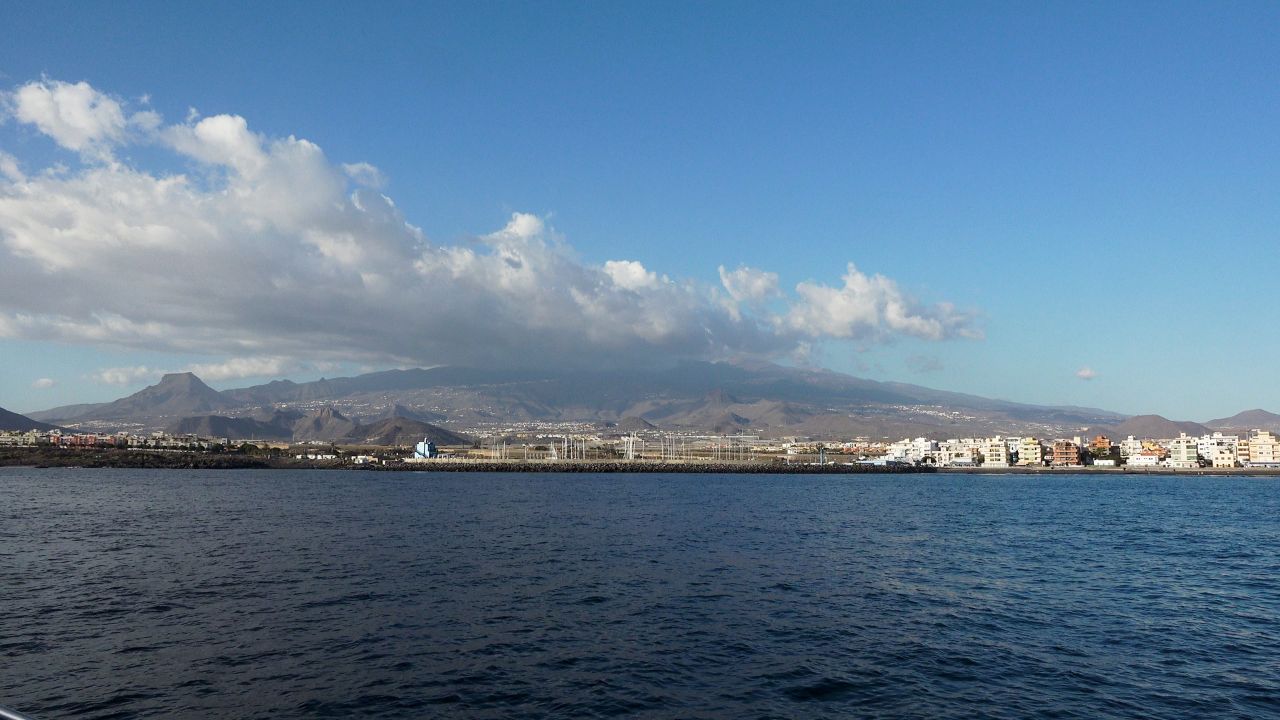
(1264, 449)
(1030, 452)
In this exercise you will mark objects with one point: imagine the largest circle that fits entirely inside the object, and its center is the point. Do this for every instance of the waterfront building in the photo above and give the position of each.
(1207, 443)
(912, 451)
(1066, 453)
(425, 450)
(1145, 459)
(1223, 456)
(1264, 449)
(1012, 444)
(1101, 444)
(1030, 452)
(957, 453)
(996, 453)
(1183, 452)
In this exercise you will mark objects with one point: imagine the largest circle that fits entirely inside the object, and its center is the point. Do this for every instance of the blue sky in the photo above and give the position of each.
(1089, 186)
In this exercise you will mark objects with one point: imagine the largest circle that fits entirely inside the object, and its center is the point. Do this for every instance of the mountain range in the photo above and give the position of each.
(721, 398)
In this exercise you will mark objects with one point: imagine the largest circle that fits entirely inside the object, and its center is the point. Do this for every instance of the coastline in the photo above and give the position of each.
(140, 459)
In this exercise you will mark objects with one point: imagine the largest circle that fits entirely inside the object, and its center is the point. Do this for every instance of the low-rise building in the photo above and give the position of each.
(1066, 453)
(1145, 459)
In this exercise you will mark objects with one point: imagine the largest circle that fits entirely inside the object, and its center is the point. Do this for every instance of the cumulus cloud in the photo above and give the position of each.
(872, 307)
(43, 383)
(248, 367)
(749, 284)
(267, 252)
(1086, 373)
(365, 174)
(125, 375)
(9, 168)
(630, 275)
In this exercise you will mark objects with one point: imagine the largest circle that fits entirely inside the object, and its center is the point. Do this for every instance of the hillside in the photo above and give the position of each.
(725, 397)
(237, 428)
(326, 424)
(403, 431)
(176, 395)
(14, 421)
(1155, 426)
(1248, 420)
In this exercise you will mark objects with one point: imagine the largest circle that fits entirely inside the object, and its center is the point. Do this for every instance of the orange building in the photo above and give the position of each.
(1066, 452)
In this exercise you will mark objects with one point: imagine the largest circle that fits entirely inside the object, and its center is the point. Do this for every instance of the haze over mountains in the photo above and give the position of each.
(394, 406)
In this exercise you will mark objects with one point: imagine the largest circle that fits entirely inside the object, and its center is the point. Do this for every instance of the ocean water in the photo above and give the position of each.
(128, 594)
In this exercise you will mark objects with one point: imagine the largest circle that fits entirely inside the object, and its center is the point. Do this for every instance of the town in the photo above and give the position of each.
(544, 443)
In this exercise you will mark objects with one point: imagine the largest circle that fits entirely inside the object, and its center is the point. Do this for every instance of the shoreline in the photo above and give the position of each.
(37, 458)
(140, 459)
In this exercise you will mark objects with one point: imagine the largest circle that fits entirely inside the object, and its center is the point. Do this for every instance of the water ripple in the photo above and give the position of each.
(301, 595)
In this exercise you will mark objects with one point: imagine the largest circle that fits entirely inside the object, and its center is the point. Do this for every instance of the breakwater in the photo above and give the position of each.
(110, 458)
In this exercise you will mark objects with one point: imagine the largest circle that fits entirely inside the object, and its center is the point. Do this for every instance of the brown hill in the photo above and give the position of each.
(1156, 427)
(326, 424)
(632, 423)
(729, 423)
(403, 431)
(1248, 420)
(176, 395)
(240, 428)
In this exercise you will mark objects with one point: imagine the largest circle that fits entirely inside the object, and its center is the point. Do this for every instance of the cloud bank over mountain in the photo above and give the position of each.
(262, 251)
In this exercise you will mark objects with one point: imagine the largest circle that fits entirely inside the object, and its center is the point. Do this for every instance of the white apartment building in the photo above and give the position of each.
(912, 451)
(952, 452)
(1144, 458)
(1183, 452)
(1222, 456)
(1130, 446)
(996, 453)
(1207, 444)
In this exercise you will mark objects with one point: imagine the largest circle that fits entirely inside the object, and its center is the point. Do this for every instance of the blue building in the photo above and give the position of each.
(426, 449)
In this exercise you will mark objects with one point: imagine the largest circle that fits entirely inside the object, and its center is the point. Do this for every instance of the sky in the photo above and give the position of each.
(1055, 203)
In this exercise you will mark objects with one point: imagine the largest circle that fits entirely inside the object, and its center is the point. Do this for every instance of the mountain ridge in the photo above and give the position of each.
(754, 398)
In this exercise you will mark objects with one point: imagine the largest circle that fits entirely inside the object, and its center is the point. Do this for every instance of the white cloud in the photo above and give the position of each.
(44, 383)
(267, 253)
(220, 140)
(125, 375)
(872, 307)
(749, 285)
(9, 168)
(76, 116)
(630, 275)
(244, 367)
(365, 174)
(1086, 373)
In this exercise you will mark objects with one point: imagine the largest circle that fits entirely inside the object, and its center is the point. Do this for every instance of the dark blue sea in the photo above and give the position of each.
(129, 594)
